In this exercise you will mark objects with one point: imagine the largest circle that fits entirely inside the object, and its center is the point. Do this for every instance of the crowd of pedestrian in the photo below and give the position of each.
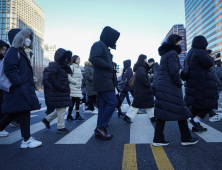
(155, 88)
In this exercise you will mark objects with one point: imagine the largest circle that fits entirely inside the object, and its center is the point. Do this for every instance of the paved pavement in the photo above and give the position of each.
(130, 148)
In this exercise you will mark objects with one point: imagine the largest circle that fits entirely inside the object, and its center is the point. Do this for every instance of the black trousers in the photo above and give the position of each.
(92, 101)
(199, 112)
(75, 100)
(183, 126)
(124, 94)
(24, 120)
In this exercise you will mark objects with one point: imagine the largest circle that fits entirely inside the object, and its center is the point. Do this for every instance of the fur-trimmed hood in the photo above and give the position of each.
(17, 37)
(166, 47)
(88, 63)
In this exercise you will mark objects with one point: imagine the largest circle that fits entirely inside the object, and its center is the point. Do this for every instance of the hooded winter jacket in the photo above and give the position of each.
(75, 81)
(89, 79)
(169, 103)
(22, 96)
(58, 78)
(101, 59)
(200, 88)
(127, 75)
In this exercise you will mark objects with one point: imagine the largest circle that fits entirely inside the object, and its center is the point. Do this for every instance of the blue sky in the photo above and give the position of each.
(143, 24)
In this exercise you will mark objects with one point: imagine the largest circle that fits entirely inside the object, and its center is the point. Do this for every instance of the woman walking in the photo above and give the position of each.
(169, 103)
(143, 96)
(21, 99)
(200, 88)
(75, 83)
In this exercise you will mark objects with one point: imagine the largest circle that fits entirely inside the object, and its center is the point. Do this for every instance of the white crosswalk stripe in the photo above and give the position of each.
(211, 135)
(141, 130)
(81, 134)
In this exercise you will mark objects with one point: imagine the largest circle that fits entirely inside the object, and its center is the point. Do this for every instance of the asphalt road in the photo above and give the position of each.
(129, 149)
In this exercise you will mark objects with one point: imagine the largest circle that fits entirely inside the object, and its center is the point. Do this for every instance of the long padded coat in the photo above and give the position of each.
(75, 81)
(200, 88)
(21, 97)
(169, 104)
(58, 78)
(143, 96)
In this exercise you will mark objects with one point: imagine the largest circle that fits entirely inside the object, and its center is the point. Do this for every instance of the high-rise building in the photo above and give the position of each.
(181, 31)
(49, 51)
(203, 17)
(23, 14)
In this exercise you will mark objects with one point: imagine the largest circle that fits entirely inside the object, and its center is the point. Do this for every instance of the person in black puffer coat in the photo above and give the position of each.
(126, 76)
(143, 96)
(59, 96)
(21, 99)
(103, 76)
(47, 90)
(169, 103)
(200, 88)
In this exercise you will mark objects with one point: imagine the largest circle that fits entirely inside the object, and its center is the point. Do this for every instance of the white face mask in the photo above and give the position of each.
(27, 42)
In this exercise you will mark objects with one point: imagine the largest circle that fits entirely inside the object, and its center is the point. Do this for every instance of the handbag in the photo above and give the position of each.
(132, 80)
(5, 82)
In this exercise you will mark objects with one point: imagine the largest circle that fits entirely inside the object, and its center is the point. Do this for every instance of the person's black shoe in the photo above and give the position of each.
(70, 118)
(195, 130)
(153, 119)
(79, 118)
(164, 143)
(47, 124)
(127, 119)
(196, 125)
(192, 141)
(64, 130)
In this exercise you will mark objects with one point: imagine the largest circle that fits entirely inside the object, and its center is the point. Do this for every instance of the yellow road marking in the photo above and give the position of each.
(129, 157)
(162, 161)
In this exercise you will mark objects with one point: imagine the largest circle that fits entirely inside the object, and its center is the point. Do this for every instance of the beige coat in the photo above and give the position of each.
(75, 81)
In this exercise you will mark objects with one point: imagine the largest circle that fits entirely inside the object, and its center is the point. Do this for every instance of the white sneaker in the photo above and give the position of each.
(215, 118)
(84, 107)
(3, 133)
(31, 143)
(95, 112)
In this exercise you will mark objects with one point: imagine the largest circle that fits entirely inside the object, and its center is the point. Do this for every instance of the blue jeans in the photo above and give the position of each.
(107, 105)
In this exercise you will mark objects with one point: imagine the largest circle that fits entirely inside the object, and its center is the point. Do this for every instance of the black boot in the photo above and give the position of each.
(127, 119)
(78, 117)
(69, 117)
(120, 113)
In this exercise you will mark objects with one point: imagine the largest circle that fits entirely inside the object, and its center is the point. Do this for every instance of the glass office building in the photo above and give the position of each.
(179, 30)
(203, 17)
(23, 14)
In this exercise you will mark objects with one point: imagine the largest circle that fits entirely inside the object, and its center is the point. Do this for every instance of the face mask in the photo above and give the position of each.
(27, 42)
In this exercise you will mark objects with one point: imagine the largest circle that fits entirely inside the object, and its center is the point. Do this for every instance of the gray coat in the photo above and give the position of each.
(89, 79)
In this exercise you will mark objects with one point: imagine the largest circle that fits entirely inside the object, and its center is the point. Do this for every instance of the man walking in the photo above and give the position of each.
(103, 79)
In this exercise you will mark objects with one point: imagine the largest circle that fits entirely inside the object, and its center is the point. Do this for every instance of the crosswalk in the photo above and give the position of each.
(141, 130)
